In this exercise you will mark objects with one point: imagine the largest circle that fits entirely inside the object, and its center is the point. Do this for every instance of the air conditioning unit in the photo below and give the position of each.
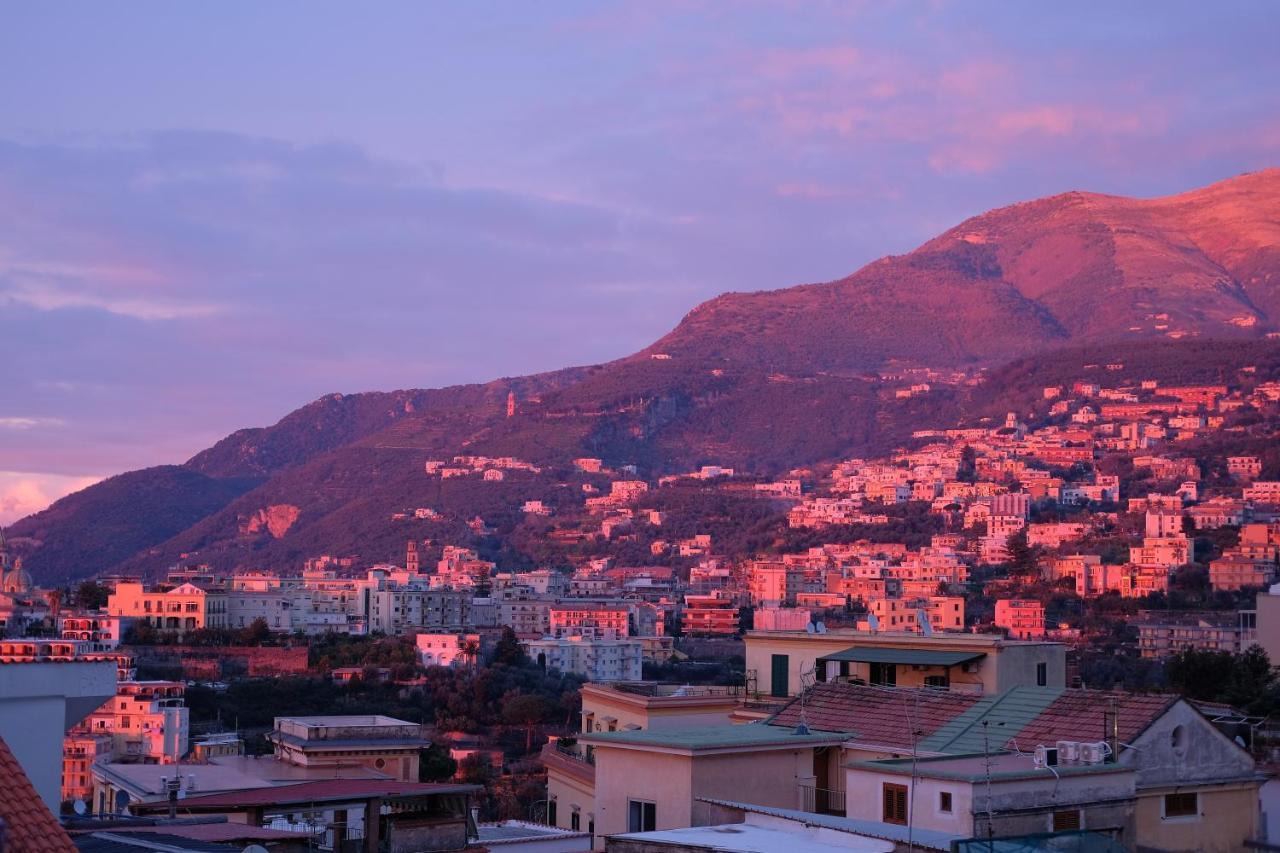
(971, 666)
(1094, 752)
(1046, 756)
(1068, 750)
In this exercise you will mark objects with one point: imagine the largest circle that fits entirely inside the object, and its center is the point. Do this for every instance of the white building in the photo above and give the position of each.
(448, 649)
(596, 660)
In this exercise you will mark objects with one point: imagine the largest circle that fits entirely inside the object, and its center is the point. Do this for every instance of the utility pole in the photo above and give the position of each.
(986, 758)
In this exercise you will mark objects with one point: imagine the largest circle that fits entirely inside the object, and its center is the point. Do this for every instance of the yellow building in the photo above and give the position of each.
(783, 661)
(184, 608)
(626, 707)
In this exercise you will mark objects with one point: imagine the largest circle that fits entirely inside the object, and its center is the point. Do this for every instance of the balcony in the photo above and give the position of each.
(659, 690)
(822, 800)
(570, 758)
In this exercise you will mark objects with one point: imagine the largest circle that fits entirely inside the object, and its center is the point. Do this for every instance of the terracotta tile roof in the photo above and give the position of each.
(877, 715)
(29, 826)
(1079, 715)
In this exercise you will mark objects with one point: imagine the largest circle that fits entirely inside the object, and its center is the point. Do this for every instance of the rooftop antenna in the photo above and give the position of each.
(807, 679)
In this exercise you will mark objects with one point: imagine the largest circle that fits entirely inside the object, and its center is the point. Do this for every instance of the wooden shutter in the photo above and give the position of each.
(895, 804)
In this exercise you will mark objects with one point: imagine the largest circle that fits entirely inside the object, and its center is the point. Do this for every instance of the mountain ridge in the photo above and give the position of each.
(767, 380)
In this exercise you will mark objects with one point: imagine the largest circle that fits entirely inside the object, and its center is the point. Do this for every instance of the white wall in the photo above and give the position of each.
(39, 702)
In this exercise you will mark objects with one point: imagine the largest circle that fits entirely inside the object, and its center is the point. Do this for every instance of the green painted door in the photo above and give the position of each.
(780, 666)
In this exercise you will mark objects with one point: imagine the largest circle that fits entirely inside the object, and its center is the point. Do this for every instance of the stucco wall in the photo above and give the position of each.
(1016, 666)
(568, 791)
(1228, 817)
(39, 702)
(660, 778)
(671, 781)
(761, 778)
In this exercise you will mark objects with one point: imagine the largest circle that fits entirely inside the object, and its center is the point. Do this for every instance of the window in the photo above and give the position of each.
(895, 804)
(1066, 820)
(1042, 675)
(944, 802)
(936, 681)
(641, 816)
(551, 812)
(1182, 805)
(575, 821)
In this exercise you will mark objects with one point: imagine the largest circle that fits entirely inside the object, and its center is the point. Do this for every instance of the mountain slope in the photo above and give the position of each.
(761, 381)
(1072, 268)
(96, 528)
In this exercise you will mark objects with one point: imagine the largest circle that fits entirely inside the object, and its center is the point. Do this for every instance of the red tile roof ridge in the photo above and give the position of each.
(29, 826)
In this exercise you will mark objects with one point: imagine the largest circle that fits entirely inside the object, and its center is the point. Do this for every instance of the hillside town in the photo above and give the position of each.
(1059, 623)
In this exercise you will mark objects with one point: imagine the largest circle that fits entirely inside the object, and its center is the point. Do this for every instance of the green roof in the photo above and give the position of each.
(714, 737)
(973, 768)
(1005, 714)
(925, 657)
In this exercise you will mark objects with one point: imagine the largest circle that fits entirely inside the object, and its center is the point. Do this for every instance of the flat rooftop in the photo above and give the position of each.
(749, 838)
(940, 638)
(518, 831)
(924, 839)
(747, 736)
(973, 768)
(337, 720)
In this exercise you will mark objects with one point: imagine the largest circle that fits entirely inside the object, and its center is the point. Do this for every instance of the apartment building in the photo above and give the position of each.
(448, 649)
(385, 744)
(1163, 633)
(145, 721)
(183, 609)
(1234, 570)
(1147, 771)
(784, 661)
(714, 614)
(594, 659)
(1022, 618)
(596, 620)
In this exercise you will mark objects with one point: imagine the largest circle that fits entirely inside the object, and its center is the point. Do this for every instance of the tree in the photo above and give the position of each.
(256, 633)
(1022, 557)
(1243, 681)
(967, 471)
(1251, 680)
(526, 710)
(507, 650)
(91, 595)
(141, 633)
(436, 765)
(476, 769)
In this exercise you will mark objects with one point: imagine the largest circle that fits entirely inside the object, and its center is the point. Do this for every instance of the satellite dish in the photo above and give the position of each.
(820, 627)
(809, 629)
(254, 848)
(79, 807)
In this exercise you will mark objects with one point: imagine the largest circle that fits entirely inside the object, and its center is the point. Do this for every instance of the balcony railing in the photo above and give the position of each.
(823, 800)
(576, 751)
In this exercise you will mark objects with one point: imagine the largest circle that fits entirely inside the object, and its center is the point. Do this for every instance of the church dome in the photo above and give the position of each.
(18, 580)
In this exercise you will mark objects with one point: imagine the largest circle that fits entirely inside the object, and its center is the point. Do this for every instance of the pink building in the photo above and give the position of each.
(1022, 618)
